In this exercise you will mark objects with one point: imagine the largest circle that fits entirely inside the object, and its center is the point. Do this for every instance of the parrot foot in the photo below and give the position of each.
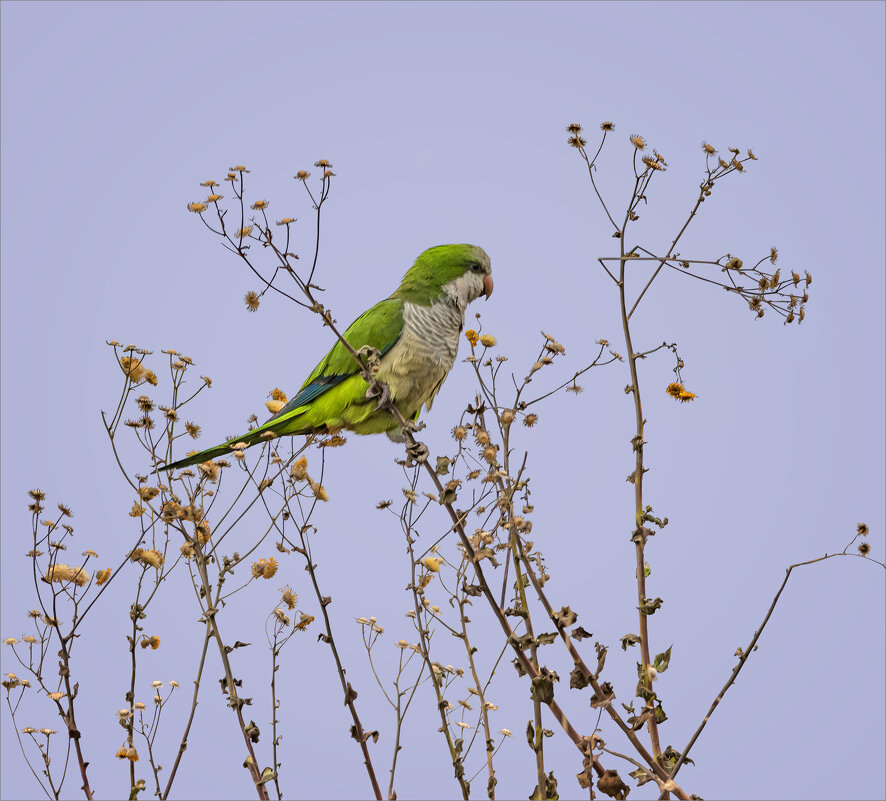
(381, 392)
(417, 453)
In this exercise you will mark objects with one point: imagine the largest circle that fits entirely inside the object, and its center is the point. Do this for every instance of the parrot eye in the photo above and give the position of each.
(476, 267)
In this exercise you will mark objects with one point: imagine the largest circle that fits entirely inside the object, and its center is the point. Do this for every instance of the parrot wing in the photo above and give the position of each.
(379, 327)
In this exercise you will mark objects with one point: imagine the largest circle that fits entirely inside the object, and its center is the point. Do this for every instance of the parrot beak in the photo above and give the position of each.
(487, 286)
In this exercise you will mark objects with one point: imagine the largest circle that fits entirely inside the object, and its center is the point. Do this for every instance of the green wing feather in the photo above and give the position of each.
(333, 396)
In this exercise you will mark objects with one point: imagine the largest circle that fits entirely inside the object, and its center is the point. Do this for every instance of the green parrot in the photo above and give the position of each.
(416, 331)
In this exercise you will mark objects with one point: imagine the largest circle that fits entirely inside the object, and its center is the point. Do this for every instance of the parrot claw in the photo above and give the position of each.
(416, 453)
(381, 391)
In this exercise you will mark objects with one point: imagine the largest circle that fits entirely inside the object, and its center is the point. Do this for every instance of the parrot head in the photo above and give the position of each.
(463, 272)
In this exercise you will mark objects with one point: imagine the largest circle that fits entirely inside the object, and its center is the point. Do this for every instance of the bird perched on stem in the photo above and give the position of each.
(416, 333)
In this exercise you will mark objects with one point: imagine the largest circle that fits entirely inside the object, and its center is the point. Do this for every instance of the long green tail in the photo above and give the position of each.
(250, 438)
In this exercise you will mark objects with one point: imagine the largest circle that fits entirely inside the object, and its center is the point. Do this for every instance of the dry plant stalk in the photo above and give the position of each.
(486, 481)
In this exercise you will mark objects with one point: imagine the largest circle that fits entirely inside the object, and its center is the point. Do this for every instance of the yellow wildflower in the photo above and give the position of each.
(101, 576)
(472, 336)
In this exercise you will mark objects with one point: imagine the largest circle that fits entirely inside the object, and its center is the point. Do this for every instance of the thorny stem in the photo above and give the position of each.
(275, 651)
(350, 693)
(639, 529)
(73, 731)
(435, 680)
(745, 655)
(401, 714)
(184, 741)
(482, 696)
(234, 700)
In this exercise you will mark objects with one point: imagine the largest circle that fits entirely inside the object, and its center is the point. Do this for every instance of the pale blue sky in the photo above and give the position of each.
(445, 123)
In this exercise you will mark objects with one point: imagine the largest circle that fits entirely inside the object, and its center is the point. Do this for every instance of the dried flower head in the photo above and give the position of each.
(432, 563)
(264, 568)
(302, 175)
(607, 126)
(488, 341)
(322, 163)
(259, 205)
(530, 420)
(251, 300)
(304, 621)
(576, 141)
(864, 548)
(244, 232)
(132, 368)
(573, 128)
(197, 208)
(290, 598)
(101, 576)
(61, 573)
(150, 557)
(638, 141)
(862, 529)
(299, 471)
(150, 642)
(281, 616)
